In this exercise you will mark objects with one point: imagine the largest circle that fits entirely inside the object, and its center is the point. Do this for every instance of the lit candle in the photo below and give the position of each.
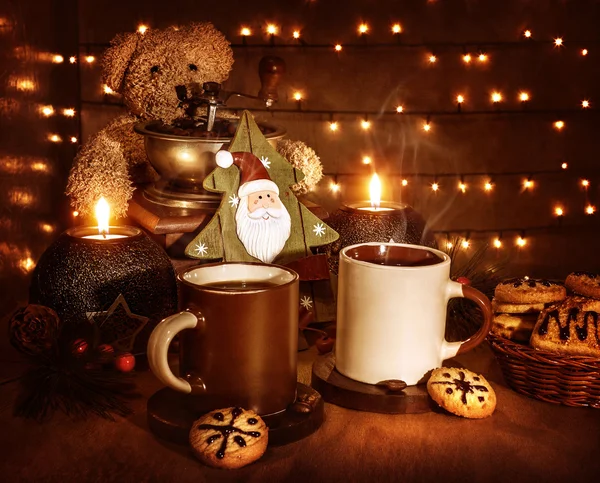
(375, 195)
(103, 215)
(376, 221)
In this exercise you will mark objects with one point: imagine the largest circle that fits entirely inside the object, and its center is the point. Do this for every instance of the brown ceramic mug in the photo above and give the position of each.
(238, 337)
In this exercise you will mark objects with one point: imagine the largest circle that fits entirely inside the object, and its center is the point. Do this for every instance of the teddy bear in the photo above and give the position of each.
(149, 69)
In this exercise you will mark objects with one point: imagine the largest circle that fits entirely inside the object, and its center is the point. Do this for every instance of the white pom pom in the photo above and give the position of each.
(224, 159)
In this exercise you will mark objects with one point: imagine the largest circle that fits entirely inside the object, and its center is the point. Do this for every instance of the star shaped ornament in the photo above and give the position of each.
(118, 326)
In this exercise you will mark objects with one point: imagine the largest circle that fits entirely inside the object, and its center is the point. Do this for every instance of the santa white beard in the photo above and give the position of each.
(263, 239)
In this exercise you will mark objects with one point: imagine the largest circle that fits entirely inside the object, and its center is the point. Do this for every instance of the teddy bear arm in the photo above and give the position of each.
(132, 144)
(107, 165)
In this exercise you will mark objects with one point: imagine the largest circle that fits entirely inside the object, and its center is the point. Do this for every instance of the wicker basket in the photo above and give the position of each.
(550, 377)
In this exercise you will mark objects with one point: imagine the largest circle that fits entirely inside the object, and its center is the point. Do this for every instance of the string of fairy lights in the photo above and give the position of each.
(470, 54)
(527, 184)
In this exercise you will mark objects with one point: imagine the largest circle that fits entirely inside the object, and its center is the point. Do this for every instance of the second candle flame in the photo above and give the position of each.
(375, 191)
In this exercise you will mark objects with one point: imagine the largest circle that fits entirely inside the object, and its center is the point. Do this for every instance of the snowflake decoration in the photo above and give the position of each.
(265, 161)
(306, 302)
(319, 229)
(234, 201)
(201, 249)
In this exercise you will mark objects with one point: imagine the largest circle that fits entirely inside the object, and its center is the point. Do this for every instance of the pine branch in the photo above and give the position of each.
(80, 385)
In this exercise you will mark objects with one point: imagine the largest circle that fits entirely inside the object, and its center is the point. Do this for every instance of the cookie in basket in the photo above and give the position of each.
(462, 392)
(229, 438)
(570, 327)
(517, 327)
(529, 290)
(512, 308)
(584, 283)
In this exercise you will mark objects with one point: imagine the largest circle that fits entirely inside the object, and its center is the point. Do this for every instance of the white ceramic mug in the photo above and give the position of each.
(391, 312)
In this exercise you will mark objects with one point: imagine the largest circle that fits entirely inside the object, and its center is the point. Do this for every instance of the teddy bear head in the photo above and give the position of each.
(149, 69)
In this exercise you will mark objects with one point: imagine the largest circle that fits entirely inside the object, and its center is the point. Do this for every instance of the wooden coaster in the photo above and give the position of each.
(170, 418)
(340, 390)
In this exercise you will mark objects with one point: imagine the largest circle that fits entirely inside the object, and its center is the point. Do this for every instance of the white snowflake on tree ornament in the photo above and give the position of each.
(306, 302)
(265, 161)
(201, 249)
(319, 229)
(234, 201)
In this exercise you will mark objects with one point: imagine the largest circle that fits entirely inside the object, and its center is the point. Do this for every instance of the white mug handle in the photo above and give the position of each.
(453, 290)
(158, 348)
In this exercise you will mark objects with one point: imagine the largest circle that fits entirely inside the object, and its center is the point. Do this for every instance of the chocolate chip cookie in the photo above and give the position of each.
(512, 308)
(529, 291)
(517, 327)
(584, 283)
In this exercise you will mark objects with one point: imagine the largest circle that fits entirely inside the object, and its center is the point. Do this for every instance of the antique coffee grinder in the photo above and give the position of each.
(177, 206)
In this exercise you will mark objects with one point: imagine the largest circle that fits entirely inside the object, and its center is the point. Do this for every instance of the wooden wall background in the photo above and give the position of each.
(380, 78)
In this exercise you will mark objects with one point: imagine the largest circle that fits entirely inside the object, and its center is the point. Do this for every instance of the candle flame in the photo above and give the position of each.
(375, 191)
(102, 215)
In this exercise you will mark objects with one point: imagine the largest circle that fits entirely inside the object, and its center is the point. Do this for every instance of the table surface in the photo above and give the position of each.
(525, 440)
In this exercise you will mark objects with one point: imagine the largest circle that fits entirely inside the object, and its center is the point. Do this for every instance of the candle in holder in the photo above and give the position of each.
(376, 221)
(103, 217)
(107, 275)
(375, 205)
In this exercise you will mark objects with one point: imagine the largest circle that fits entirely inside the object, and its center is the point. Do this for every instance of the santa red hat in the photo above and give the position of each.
(253, 174)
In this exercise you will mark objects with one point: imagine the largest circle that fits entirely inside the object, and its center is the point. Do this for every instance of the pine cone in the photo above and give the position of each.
(33, 329)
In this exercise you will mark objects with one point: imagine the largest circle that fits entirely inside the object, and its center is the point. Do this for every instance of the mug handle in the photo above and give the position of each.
(455, 289)
(158, 347)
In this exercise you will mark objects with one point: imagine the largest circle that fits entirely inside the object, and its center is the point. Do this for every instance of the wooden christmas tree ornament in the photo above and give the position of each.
(260, 218)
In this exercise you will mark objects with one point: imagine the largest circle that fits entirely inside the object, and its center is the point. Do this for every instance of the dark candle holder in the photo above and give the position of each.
(362, 223)
(84, 273)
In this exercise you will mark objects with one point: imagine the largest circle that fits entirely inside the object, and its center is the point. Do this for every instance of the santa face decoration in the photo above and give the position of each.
(263, 224)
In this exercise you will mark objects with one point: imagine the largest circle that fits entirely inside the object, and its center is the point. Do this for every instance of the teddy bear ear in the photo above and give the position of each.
(117, 59)
(210, 45)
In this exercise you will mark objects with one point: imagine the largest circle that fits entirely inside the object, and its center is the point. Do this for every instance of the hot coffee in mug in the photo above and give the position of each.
(391, 312)
(238, 337)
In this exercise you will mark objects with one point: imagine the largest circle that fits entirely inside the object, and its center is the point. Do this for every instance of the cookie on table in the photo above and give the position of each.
(229, 438)
(571, 327)
(584, 283)
(462, 392)
(529, 291)
(512, 308)
(517, 327)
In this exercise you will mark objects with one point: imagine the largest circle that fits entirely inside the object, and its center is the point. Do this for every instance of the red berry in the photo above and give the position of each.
(463, 280)
(325, 344)
(80, 346)
(125, 362)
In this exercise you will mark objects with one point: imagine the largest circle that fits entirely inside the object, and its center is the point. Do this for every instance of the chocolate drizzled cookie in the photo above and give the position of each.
(570, 327)
(462, 392)
(229, 438)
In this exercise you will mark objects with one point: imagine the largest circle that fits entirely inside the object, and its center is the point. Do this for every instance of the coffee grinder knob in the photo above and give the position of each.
(270, 70)
(211, 89)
